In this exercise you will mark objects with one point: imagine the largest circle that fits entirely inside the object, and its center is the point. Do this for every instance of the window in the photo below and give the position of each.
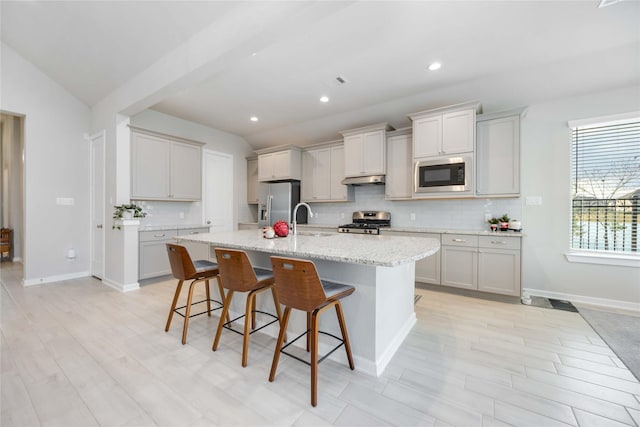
(606, 187)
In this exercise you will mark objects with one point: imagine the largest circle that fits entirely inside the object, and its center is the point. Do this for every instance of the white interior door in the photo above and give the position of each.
(97, 142)
(217, 189)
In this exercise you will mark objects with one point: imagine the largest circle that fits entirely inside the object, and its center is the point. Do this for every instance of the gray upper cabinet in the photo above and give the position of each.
(365, 150)
(252, 181)
(165, 169)
(444, 131)
(280, 165)
(399, 167)
(498, 156)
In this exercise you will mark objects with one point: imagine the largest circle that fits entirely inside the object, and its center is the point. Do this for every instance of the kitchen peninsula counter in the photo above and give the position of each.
(379, 314)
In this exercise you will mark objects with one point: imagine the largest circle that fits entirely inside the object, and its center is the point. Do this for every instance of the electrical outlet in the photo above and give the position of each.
(181, 215)
(487, 216)
(533, 200)
(412, 216)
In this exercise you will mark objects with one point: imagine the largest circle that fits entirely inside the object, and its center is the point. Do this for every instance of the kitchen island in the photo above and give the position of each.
(379, 314)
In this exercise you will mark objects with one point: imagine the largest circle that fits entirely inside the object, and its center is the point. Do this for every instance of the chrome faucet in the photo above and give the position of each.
(295, 212)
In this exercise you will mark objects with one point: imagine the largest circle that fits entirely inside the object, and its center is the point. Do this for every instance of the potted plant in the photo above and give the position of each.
(493, 224)
(126, 211)
(504, 222)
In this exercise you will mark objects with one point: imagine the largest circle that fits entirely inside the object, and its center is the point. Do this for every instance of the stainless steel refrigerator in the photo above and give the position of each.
(276, 201)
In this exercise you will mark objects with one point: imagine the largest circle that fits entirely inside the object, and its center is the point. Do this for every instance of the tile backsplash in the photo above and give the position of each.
(171, 213)
(462, 214)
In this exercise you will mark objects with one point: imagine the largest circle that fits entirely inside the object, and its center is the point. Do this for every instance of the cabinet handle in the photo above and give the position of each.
(194, 232)
(497, 242)
(159, 235)
(458, 240)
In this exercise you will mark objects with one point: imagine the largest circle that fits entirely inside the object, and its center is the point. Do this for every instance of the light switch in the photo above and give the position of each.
(412, 216)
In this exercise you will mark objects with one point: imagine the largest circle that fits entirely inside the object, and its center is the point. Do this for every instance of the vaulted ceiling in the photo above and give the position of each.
(503, 54)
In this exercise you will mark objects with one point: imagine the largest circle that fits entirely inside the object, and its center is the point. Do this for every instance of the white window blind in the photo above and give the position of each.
(606, 187)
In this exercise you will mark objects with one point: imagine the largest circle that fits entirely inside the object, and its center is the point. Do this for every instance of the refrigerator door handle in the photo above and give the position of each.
(269, 199)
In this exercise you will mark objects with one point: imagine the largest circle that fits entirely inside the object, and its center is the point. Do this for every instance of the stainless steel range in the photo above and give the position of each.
(366, 222)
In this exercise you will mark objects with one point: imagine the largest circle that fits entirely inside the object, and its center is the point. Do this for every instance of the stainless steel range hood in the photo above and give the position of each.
(364, 180)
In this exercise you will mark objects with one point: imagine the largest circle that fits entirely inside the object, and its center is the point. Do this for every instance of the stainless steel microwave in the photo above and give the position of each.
(450, 174)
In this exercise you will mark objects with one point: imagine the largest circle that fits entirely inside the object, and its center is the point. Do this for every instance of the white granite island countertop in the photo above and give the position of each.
(381, 250)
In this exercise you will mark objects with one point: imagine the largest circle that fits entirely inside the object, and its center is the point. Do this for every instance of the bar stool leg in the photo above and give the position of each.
(276, 303)
(345, 336)
(308, 331)
(314, 358)
(206, 285)
(281, 335)
(173, 304)
(222, 297)
(249, 321)
(225, 314)
(188, 312)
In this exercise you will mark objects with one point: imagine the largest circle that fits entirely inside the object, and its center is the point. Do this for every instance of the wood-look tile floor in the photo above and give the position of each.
(77, 353)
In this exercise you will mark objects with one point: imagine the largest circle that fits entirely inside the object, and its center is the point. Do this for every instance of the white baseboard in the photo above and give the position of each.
(600, 302)
(122, 287)
(57, 278)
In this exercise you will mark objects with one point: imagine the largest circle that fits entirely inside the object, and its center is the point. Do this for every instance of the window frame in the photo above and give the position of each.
(591, 256)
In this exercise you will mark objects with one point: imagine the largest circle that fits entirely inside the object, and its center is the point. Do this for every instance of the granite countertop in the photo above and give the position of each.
(418, 230)
(170, 227)
(385, 251)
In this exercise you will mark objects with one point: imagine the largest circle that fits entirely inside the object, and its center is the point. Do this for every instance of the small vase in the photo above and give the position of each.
(127, 214)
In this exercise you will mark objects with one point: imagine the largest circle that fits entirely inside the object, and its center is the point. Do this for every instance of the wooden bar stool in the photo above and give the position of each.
(300, 287)
(183, 268)
(237, 275)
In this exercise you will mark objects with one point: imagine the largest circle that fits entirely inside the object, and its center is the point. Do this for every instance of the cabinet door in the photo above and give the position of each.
(428, 269)
(265, 167)
(399, 179)
(150, 169)
(458, 131)
(306, 184)
(252, 181)
(186, 171)
(322, 174)
(460, 267)
(498, 156)
(373, 153)
(337, 189)
(282, 164)
(154, 260)
(353, 165)
(427, 137)
(499, 271)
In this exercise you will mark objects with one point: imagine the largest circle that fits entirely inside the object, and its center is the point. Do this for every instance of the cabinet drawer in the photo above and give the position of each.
(187, 231)
(465, 240)
(151, 236)
(499, 242)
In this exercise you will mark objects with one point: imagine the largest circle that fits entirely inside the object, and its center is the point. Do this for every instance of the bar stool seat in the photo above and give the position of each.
(199, 271)
(299, 287)
(238, 275)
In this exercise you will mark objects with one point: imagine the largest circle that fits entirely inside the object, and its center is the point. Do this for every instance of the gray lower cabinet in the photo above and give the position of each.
(460, 261)
(499, 265)
(153, 260)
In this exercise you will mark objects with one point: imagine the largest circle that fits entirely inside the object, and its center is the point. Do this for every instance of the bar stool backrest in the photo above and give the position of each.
(235, 269)
(182, 266)
(298, 283)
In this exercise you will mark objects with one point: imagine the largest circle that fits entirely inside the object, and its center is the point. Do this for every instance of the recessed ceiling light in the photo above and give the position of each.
(253, 118)
(324, 98)
(435, 66)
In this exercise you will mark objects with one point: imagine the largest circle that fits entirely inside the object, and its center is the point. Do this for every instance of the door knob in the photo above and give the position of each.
(208, 222)
(99, 226)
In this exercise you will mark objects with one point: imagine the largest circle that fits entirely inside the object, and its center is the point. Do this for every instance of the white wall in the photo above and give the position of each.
(215, 140)
(546, 151)
(56, 165)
